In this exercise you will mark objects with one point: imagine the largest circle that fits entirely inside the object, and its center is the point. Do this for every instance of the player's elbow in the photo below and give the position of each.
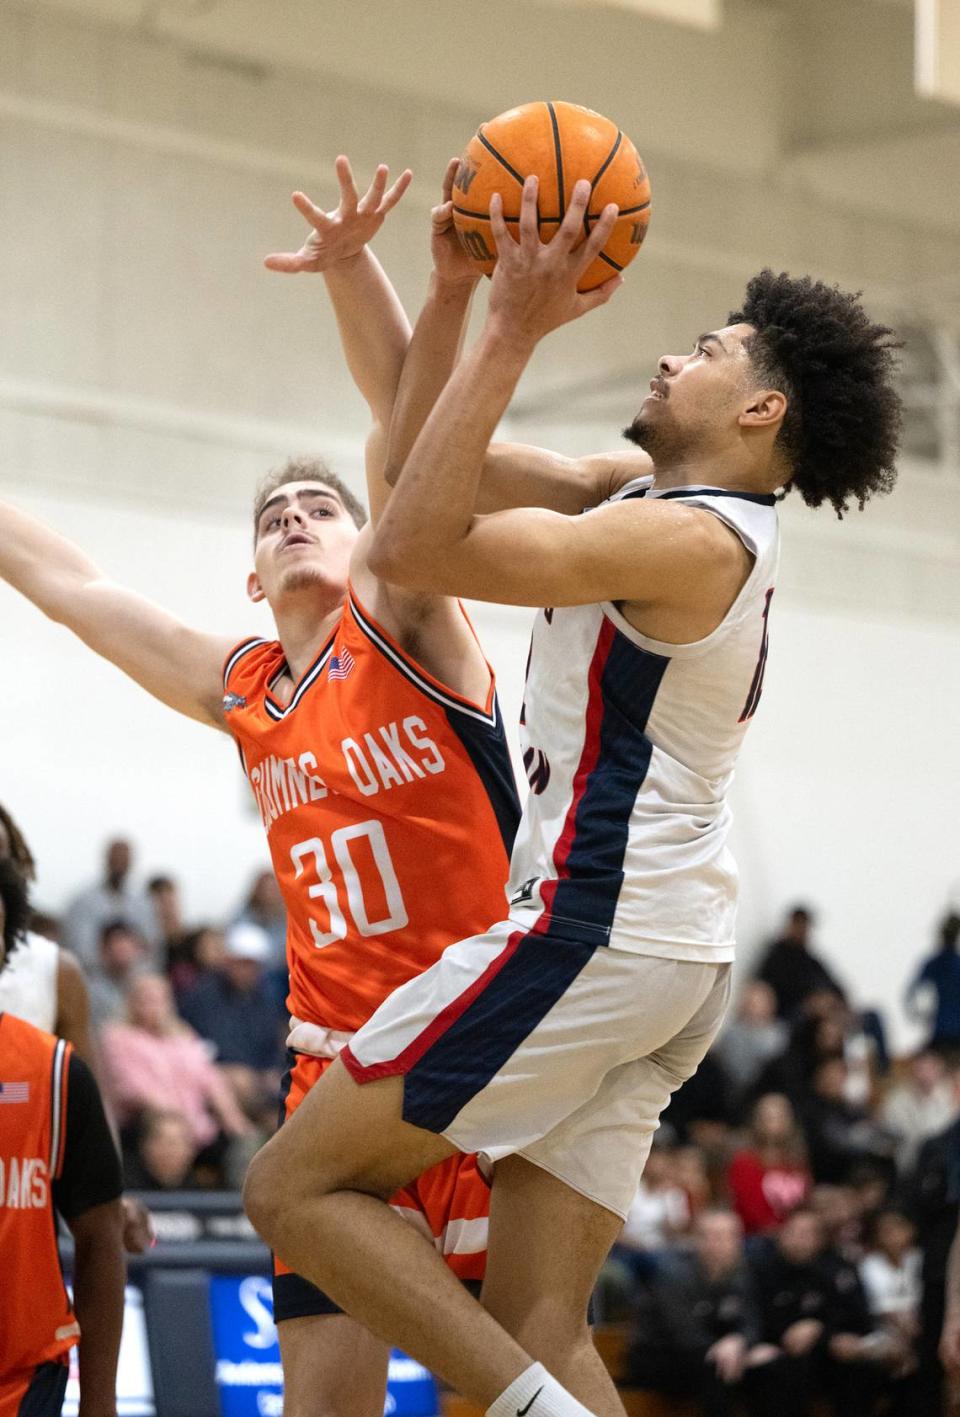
(390, 559)
(64, 598)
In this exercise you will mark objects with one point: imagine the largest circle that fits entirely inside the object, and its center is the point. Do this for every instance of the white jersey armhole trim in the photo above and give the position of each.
(695, 647)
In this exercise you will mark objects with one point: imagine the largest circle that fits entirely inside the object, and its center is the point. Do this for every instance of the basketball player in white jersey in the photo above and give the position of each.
(553, 1042)
(44, 985)
(41, 982)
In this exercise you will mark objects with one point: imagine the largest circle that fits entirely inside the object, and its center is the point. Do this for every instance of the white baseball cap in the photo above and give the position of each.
(244, 940)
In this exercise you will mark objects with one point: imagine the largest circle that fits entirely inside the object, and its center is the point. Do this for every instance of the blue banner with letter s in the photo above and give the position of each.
(247, 1355)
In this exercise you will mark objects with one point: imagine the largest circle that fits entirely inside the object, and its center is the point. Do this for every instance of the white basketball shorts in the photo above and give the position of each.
(525, 1042)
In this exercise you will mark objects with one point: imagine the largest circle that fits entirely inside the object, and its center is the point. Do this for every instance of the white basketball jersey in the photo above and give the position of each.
(28, 982)
(629, 746)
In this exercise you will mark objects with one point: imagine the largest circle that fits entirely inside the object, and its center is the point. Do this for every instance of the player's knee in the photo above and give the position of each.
(263, 1194)
(273, 1189)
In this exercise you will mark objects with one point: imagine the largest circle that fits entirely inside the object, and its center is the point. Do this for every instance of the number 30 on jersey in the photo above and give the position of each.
(358, 851)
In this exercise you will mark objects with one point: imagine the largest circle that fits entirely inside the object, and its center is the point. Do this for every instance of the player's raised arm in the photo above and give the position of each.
(178, 665)
(514, 474)
(430, 537)
(374, 329)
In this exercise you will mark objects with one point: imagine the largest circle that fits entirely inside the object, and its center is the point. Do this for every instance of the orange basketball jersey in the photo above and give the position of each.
(390, 808)
(37, 1324)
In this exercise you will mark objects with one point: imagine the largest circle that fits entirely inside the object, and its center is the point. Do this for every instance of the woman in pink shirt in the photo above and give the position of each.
(769, 1178)
(155, 1060)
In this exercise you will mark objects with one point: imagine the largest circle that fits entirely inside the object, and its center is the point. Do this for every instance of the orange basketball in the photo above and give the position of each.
(561, 143)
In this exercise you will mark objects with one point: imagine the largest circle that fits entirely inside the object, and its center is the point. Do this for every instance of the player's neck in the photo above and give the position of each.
(303, 630)
(712, 470)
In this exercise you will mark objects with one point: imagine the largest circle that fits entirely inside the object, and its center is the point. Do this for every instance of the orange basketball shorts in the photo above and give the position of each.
(449, 1204)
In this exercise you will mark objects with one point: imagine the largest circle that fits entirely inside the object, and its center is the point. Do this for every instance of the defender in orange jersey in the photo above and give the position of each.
(56, 1156)
(398, 814)
(374, 747)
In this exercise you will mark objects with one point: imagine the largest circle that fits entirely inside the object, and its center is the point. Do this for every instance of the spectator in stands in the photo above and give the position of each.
(696, 1323)
(793, 1294)
(816, 1331)
(769, 1177)
(264, 907)
(153, 1060)
(858, 1357)
(202, 950)
(839, 1134)
(891, 1276)
(112, 898)
(164, 1154)
(919, 1107)
(790, 967)
(122, 956)
(948, 1353)
(690, 1173)
(933, 1200)
(752, 1038)
(872, 1182)
(842, 1221)
(702, 1109)
(164, 896)
(660, 1209)
(814, 1037)
(934, 993)
(234, 1008)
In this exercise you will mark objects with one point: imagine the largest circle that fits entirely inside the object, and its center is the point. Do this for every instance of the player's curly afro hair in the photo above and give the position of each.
(816, 344)
(16, 907)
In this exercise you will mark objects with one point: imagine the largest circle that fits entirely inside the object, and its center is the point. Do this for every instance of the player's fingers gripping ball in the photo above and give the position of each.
(560, 143)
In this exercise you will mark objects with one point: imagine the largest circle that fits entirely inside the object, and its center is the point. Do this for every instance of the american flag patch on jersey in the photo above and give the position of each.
(14, 1092)
(340, 665)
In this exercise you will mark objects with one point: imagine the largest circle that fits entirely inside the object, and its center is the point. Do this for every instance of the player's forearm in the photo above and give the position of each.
(374, 329)
(432, 511)
(98, 1285)
(40, 564)
(430, 360)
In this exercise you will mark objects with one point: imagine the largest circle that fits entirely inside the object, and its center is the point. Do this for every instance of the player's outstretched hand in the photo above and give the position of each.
(450, 261)
(337, 235)
(534, 286)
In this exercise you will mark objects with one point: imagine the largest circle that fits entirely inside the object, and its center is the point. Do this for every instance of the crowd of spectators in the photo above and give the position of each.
(188, 1021)
(787, 1247)
(786, 1250)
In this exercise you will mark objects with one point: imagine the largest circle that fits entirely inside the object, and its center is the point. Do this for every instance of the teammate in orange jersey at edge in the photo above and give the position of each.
(372, 740)
(56, 1157)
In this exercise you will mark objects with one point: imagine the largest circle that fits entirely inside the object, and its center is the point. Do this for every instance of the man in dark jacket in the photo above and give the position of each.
(790, 967)
(697, 1322)
(816, 1332)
